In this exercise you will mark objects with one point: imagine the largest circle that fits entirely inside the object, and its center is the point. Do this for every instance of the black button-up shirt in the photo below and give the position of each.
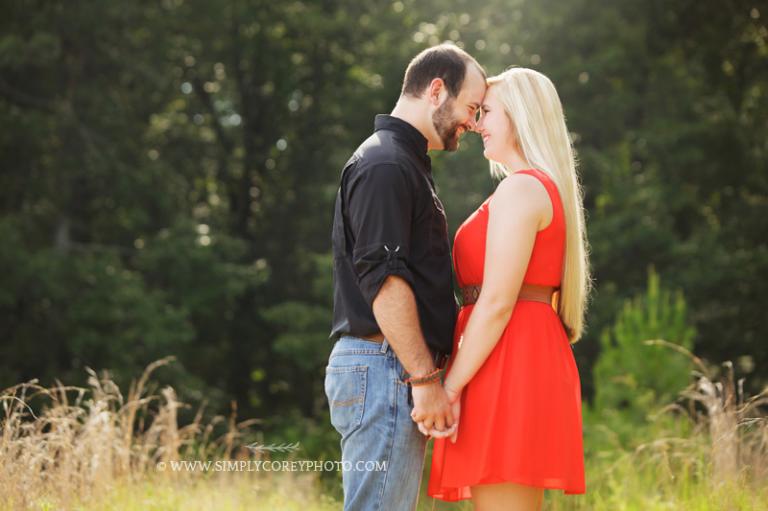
(388, 220)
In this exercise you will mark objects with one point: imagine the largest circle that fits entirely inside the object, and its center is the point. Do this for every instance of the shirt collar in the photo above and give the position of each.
(407, 132)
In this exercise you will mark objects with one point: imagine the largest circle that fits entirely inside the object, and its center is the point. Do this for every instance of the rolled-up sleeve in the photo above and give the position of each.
(380, 210)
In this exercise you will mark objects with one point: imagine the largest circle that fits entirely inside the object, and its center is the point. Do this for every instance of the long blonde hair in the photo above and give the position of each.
(532, 104)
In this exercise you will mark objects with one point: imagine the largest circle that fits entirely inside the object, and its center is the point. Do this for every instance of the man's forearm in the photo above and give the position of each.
(397, 315)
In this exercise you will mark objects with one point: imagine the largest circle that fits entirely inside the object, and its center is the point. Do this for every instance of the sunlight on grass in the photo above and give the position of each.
(94, 449)
(228, 492)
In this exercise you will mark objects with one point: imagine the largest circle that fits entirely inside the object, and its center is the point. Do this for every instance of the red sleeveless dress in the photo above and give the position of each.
(521, 412)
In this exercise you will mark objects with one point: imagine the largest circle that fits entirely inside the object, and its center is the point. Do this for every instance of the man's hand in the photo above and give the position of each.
(431, 407)
(455, 399)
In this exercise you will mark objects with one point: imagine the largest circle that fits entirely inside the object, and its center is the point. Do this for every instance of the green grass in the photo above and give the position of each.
(664, 476)
(90, 455)
(222, 492)
(615, 482)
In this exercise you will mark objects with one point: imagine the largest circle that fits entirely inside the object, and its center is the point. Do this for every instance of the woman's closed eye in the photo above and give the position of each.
(480, 113)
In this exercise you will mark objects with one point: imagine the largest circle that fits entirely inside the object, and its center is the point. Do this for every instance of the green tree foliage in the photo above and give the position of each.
(635, 377)
(169, 169)
(635, 380)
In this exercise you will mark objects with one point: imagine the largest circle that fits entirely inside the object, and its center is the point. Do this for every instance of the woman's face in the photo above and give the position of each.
(499, 137)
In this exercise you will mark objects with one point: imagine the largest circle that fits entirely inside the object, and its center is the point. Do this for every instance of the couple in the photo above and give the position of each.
(506, 413)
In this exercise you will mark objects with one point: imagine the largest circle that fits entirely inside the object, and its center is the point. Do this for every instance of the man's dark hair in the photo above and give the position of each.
(445, 61)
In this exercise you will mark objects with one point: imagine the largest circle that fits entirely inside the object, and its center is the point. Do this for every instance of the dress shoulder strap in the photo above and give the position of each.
(551, 187)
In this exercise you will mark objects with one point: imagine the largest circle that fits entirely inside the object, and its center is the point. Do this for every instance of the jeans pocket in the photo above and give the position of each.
(345, 388)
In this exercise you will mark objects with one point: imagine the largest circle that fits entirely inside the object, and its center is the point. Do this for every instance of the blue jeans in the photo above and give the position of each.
(371, 411)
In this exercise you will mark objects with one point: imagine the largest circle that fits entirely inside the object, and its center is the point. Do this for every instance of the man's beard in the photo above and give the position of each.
(447, 128)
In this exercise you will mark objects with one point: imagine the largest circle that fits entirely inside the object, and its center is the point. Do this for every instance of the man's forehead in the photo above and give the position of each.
(473, 91)
(474, 87)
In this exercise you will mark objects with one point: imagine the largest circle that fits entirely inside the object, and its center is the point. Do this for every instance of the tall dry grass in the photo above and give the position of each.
(734, 425)
(708, 451)
(89, 446)
(86, 441)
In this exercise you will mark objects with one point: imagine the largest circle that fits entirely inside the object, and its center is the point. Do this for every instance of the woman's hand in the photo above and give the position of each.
(454, 396)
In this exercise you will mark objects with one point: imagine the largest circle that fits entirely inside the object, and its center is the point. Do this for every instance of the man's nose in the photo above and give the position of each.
(472, 124)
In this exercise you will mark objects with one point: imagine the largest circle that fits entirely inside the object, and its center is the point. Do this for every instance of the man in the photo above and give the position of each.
(394, 308)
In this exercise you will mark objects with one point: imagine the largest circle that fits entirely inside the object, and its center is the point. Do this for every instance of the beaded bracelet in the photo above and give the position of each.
(428, 378)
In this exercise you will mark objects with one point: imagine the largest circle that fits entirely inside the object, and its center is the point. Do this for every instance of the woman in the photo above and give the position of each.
(521, 260)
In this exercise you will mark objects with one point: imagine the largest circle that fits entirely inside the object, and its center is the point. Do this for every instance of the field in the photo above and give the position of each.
(94, 449)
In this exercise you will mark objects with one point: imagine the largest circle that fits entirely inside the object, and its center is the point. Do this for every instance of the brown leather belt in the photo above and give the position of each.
(374, 337)
(528, 292)
(470, 294)
(440, 359)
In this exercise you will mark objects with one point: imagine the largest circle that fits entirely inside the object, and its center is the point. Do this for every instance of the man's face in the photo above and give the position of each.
(457, 115)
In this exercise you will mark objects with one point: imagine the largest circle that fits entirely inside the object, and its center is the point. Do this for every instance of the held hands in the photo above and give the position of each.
(436, 410)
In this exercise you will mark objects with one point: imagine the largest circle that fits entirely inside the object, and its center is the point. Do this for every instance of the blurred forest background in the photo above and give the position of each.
(169, 169)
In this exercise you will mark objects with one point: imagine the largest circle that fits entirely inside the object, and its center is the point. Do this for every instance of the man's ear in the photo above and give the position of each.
(436, 92)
